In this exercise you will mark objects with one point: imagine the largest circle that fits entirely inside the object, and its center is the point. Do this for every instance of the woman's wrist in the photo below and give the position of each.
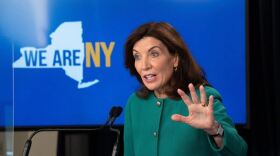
(213, 130)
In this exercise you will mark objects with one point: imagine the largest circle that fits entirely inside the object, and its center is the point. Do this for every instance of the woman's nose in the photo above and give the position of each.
(146, 64)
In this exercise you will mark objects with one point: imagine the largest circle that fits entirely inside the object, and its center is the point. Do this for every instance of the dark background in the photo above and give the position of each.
(262, 131)
(263, 68)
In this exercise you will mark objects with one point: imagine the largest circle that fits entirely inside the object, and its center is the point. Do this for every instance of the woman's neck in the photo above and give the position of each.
(159, 94)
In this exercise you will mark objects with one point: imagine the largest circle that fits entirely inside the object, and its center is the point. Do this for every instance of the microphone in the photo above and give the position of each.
(114, 113)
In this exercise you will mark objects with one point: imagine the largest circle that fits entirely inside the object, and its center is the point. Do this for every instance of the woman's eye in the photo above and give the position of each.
(136, 56)
(154, 53)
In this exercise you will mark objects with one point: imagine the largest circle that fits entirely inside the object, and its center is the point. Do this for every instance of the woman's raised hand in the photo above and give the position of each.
(200, 110)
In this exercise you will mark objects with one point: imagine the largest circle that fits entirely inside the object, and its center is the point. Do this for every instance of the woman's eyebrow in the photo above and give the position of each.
(133, 50)
(153, 47)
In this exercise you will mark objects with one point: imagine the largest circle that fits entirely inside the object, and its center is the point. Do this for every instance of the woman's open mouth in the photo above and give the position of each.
(149, 78)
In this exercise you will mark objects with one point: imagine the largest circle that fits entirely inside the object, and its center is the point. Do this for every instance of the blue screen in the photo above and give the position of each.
(62, 62)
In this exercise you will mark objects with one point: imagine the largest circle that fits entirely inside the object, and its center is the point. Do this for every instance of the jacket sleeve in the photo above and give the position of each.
(128, 137)
(233, 143)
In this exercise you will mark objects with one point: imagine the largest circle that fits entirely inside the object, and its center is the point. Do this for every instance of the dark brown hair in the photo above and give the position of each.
(188, 71)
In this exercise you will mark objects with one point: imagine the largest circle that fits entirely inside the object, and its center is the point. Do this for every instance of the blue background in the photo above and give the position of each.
(213, 29)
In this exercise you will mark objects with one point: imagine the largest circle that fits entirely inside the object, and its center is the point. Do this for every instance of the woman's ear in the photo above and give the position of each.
(176, 60)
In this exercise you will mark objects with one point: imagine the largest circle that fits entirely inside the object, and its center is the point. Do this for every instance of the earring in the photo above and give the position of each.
(175, 69)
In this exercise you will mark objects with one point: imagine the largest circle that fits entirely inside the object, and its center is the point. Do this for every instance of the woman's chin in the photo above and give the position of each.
(150, 87)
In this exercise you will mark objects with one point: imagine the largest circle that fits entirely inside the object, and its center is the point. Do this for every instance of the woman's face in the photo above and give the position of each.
(154, 64)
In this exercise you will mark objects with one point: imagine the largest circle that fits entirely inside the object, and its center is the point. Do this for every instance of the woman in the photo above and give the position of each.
(176, 112)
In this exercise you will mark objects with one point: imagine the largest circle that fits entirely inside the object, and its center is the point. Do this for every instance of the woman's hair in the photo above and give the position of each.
(188, 71)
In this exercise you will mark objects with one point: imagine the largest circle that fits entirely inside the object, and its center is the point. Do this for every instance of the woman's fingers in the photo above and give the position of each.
(184, 97)
(203, 97)
(193, 94)
(211, 103)
(180, 118)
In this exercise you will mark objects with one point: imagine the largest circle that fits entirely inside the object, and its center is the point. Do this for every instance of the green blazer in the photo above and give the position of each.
(149, 130)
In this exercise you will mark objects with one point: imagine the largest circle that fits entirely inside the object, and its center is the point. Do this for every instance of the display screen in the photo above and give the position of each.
(62, 62)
